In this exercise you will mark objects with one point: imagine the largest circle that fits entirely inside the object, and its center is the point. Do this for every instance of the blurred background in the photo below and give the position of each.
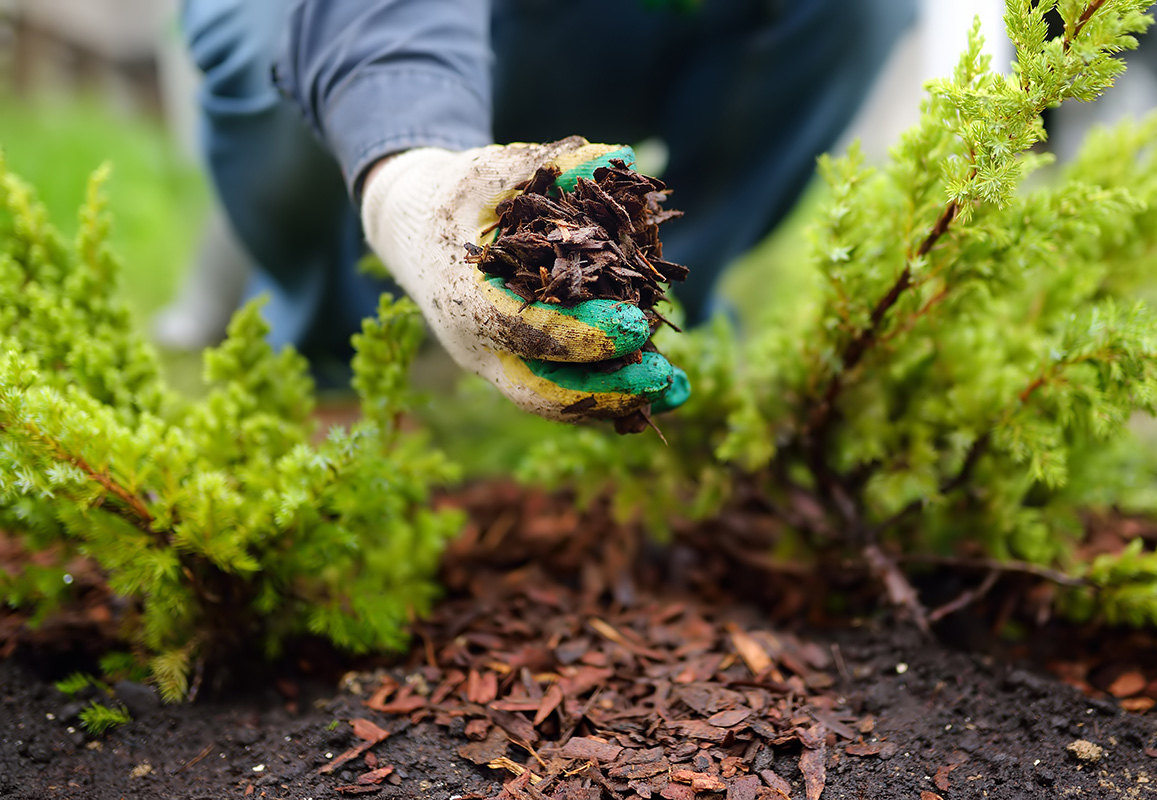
(83, 82)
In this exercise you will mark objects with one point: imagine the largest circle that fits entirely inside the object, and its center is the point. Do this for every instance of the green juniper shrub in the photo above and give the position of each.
(224, 521)
(966, 369)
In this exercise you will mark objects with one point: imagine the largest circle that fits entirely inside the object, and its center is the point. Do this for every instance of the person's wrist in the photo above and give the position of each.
(375, 168)
(372, 171)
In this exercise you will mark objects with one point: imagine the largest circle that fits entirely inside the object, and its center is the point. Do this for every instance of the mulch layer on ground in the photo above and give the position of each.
(571, 659)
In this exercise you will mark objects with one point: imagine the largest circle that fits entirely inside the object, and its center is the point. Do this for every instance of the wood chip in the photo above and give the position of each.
(699, 729)
(517, 726)
(363, 729)
(376, 776)
(587, 748)
(477, 729)
(481, 688)
(811, 764)
(605, 688)
(869, 749)
(832, 722)
(776, 783)
(402, 705)
(730, 717)
(598, 241)
(941, 776)
(677, 791)
(1128, 684)
(744, 788)
(699, 781)
(483, 752)
(751, 651)
(1138, 704)
(636, 772)
(550, 701)
(378, 699)
(368, 731)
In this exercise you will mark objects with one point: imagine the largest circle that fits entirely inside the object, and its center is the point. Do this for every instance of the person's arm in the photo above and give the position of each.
(374, 77)
(400, 91)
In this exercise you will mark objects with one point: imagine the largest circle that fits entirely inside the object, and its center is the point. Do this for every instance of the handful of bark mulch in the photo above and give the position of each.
(599, 241)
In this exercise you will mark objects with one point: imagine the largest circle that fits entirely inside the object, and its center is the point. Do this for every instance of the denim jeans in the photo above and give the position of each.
(744, 93)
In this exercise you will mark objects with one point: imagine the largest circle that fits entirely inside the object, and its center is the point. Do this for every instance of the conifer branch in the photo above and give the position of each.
(859, 344)
(1049, 374)
(909, 323)
(815, 434)
(978, 448)
(1082, 21)
(133, 511)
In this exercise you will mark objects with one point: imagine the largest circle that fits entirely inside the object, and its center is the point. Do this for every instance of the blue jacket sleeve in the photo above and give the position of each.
(376, 76)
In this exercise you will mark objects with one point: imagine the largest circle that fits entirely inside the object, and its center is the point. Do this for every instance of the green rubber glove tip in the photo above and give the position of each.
(678, 393)
(649, 379)
(623, 323)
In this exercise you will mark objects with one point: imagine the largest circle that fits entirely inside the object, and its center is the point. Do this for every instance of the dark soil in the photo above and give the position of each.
(537, 595)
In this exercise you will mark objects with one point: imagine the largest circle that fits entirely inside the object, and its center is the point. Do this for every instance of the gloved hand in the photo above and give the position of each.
(421, 207)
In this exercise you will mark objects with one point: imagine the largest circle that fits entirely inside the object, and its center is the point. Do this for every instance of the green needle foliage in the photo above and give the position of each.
(99, 719)
(963, 377)
(226, 522)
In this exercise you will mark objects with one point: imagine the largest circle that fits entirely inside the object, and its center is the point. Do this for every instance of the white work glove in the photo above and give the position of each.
(421, 207)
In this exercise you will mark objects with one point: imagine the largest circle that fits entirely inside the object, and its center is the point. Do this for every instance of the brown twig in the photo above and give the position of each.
(197, 758)
(859, 345)
(1083, 20)
(978, 449)
(137, 513)
(922, 312)
(1003, 567)
(1027, 392)
(886, 569)
(965, 598)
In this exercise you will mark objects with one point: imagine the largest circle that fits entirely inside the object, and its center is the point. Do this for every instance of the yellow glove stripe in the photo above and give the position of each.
(567, 338)
(588, 152)
(559, 398)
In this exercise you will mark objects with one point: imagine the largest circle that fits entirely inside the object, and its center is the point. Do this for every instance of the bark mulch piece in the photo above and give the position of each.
(600, 240)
